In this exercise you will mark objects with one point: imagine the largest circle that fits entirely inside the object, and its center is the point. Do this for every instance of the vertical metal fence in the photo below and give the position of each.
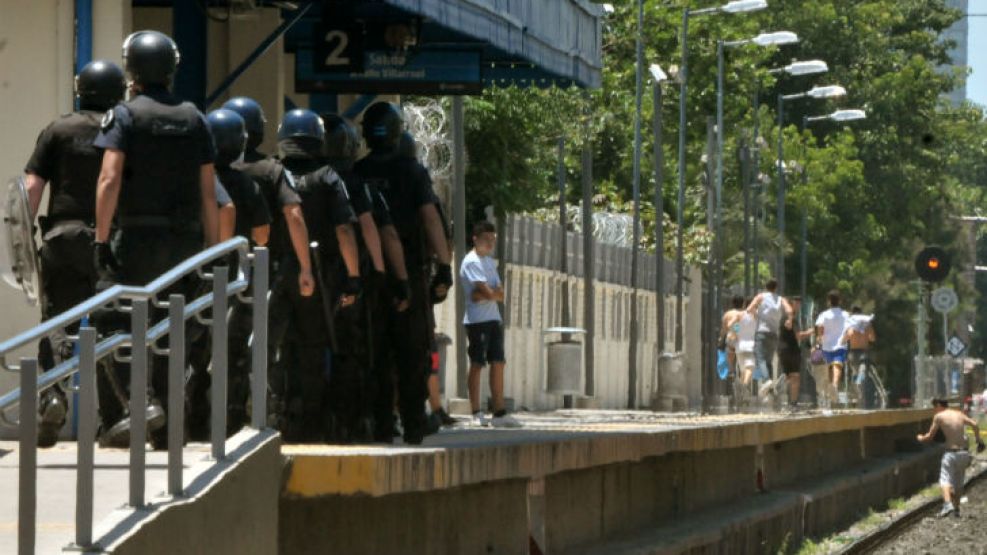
(142, 340)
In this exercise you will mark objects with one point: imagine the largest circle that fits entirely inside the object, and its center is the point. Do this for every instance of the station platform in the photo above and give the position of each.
(570, 480)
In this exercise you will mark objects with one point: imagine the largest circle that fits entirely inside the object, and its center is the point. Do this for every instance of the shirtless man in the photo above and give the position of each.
(728, 331)
(956, 458)
(858, 336)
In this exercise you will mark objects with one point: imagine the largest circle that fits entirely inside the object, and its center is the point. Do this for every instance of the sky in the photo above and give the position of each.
(976, 88)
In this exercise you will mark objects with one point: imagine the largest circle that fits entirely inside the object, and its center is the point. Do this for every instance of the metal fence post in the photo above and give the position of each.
(138, 400)
(258, 402)
(220, 354)
(86, 438)
(28, 461)
(176, 384)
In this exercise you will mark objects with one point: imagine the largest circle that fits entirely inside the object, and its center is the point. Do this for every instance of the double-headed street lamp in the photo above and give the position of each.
(795, 69)
(764, 39)
(839, 116)
(831, 91)
(733, 7)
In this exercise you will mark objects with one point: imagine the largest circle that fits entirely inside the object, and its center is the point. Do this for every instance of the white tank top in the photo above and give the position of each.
(746, 330)
(769, 313)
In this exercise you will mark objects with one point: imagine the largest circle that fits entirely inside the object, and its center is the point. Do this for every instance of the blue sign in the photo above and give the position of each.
(394, 72)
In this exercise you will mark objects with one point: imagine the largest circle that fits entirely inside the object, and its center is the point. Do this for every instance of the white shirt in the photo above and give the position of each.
(834, 322)
(769, 313)
(479, 269)
(746, 329)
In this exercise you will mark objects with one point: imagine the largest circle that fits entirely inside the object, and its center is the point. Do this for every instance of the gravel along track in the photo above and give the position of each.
(966, 534)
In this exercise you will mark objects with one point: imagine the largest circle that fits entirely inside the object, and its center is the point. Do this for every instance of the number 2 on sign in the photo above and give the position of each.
(335, 57)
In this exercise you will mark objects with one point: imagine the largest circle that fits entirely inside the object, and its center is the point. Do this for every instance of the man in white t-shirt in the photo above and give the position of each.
(770, 309)
(484, 328)
(830, 326)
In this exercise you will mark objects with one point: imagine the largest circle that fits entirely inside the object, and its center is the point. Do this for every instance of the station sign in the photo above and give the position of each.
(387, 71)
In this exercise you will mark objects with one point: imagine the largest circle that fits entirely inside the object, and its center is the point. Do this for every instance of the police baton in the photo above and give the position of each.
(327, 310)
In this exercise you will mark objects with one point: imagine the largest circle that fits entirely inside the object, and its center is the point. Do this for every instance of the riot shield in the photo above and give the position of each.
(19, 264)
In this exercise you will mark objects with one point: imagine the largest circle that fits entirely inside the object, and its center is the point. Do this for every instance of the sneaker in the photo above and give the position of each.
(433, 423)
(947, 509)
(52, 420)
(445, 418)
(504, 421)
(765, 388)
(479, 419)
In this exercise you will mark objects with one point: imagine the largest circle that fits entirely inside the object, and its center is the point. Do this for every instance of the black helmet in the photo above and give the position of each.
(300, 134)
(253, 117)
(342, 142)
(407, 147)
(229, 133)
(100, 85)
(150, 57)
(382, 126)
(301, 122)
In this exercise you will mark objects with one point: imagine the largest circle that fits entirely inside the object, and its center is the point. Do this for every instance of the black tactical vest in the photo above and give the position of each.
(73, 188)
(163, 161)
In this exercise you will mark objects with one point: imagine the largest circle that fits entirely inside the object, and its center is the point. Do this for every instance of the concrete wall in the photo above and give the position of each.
(232, 507)
(625, 490)
(533, 303)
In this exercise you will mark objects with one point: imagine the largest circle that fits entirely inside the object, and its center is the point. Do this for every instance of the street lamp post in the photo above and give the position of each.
(659, 77)
(831, 91)
(733, 7)
(837, 116)
(764, 39)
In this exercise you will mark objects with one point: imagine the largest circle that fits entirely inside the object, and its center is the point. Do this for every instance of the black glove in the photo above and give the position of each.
(402, 291)
(981, 447)
(351, 286)
(443, 277)
(106, 264)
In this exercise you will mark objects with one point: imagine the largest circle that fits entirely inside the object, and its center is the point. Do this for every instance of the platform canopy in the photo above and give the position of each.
(445, 46)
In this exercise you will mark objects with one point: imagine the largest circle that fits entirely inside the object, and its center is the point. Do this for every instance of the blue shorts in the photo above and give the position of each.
(839, 355)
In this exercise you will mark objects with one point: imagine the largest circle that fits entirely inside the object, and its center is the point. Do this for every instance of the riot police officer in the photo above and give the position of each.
(318, 322)
(251, 220)
(155, 200)
(378, 240)
(66, 158)
(407, 188)
(291, 264)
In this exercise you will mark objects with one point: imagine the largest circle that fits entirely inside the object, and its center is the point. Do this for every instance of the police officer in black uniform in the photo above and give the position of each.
(155, 200)
(354, 400)
(321, 321)
(66, 158)
(407, 188)
(251, 220)
(291, 265)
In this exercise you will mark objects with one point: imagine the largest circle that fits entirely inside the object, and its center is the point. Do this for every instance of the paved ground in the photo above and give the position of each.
(56, 489)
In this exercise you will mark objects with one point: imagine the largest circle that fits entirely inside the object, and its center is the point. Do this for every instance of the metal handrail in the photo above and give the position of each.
(112, 343)
(141, 339)
(124, 292)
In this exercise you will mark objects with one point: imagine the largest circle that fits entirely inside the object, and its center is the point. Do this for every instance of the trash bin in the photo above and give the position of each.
(671, 391)
(563, 362)
(442, 342)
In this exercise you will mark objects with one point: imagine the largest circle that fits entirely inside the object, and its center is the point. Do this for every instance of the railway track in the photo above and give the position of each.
(886, 534)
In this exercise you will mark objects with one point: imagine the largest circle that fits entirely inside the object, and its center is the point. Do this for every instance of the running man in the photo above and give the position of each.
(956, 458)
(830, 326)
(858, 336)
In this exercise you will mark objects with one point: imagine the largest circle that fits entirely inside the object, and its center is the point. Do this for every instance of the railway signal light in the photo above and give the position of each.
(932, 264)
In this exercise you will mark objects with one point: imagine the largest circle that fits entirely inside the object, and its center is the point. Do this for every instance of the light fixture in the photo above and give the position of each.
(848, 115)
(808, 67)
(657, 73)
(775, 39)
(744, 6)
(830, 91)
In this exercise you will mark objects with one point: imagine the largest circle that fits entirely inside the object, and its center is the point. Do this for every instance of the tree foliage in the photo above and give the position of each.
(874, 192)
